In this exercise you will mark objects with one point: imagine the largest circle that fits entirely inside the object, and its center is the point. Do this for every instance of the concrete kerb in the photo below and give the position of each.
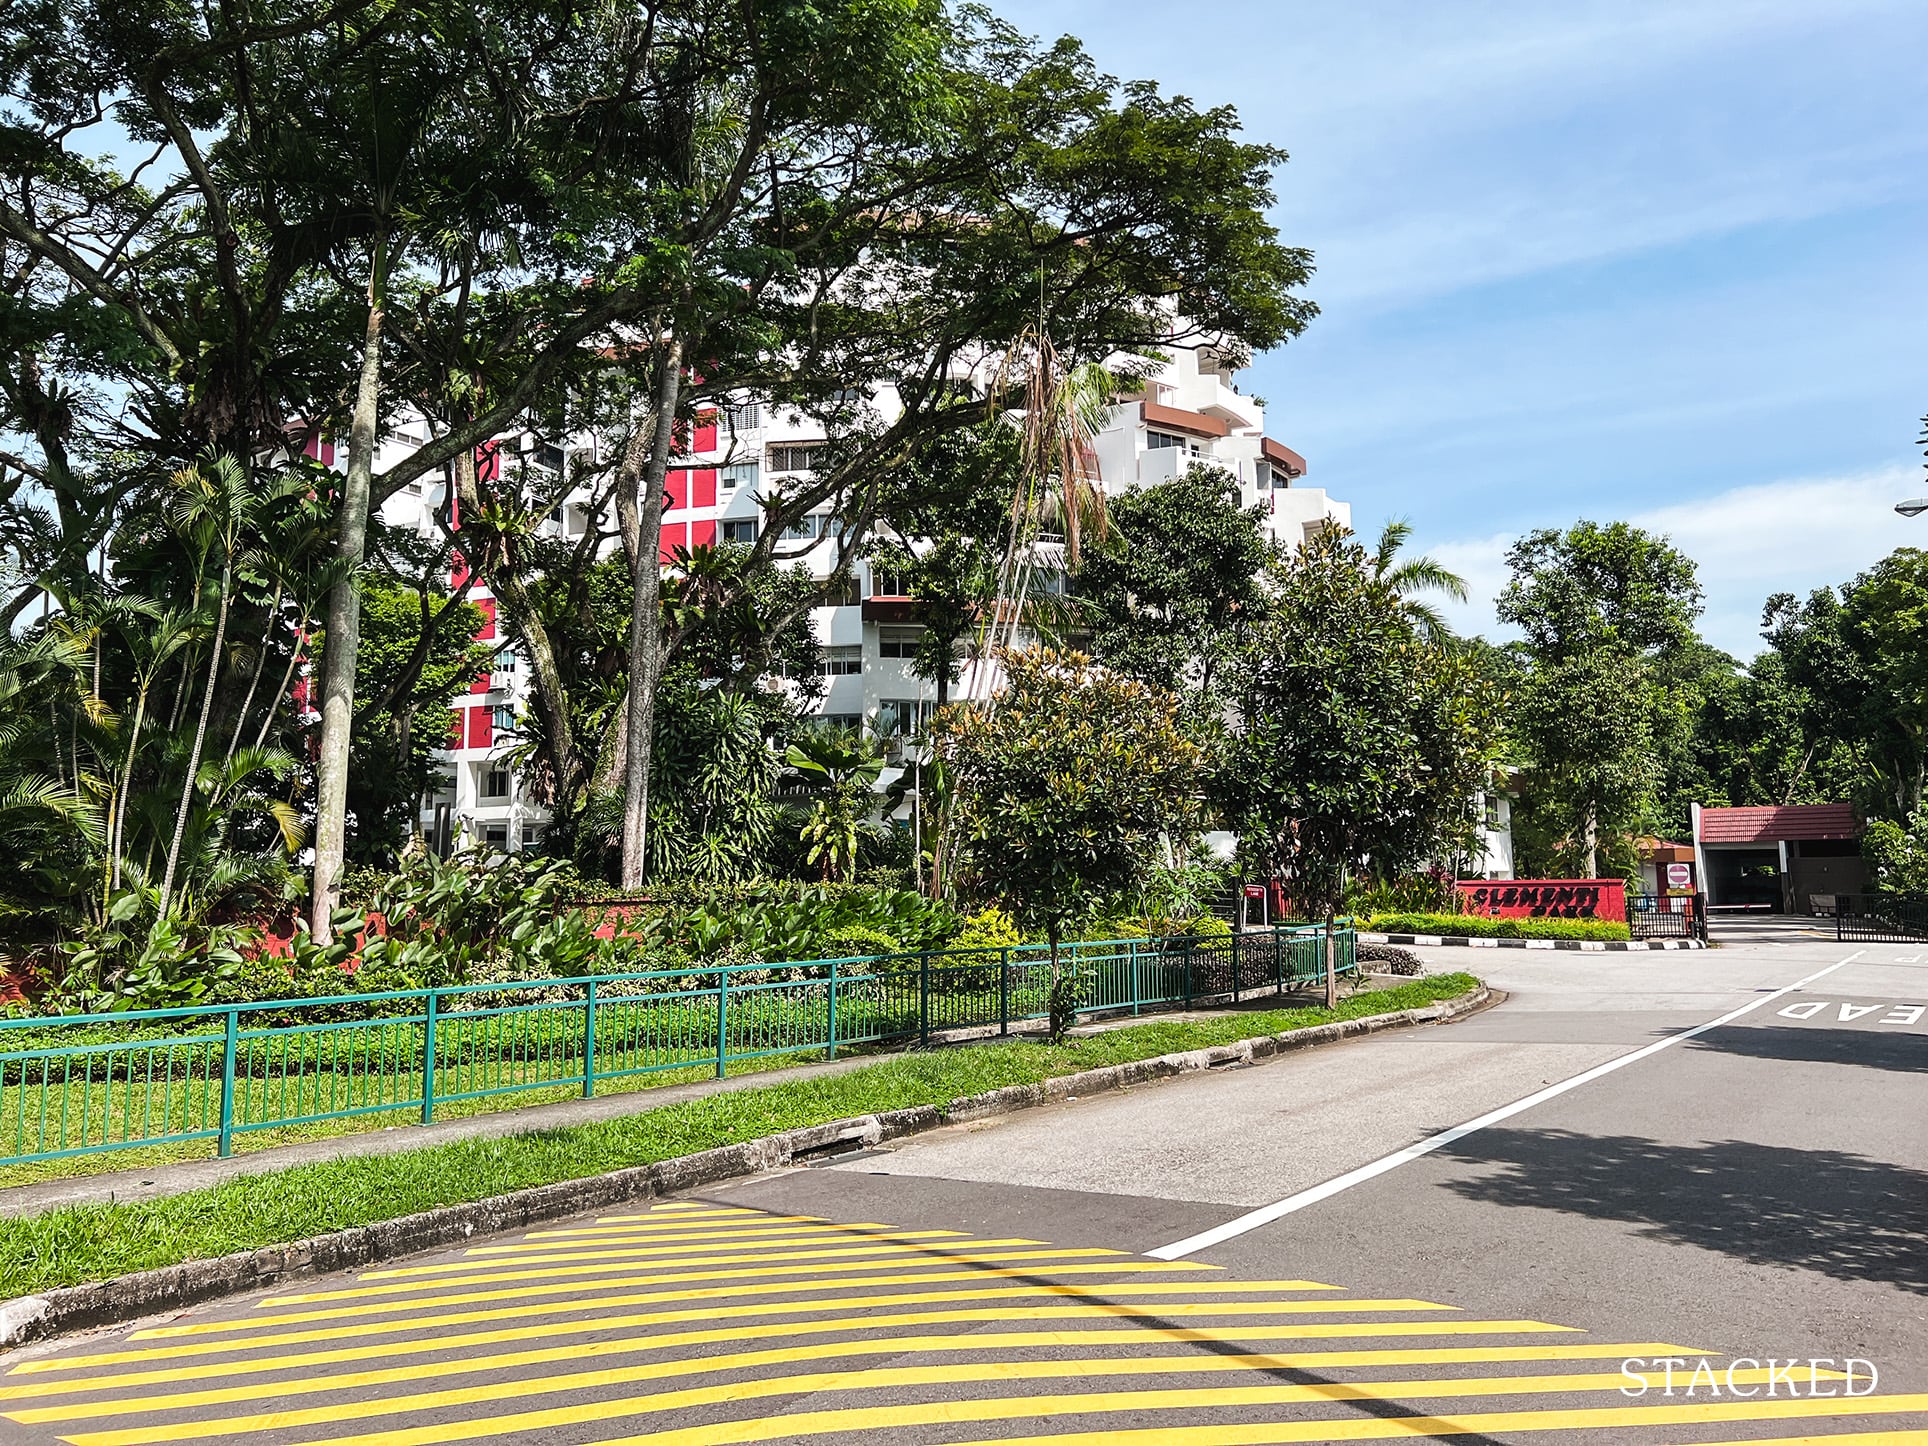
(1591, 946)
(175, 1287)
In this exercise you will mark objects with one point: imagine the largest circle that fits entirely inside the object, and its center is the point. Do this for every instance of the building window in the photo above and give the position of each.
(888, 584)
(793, 458)
(1491, 804)
(737, 474)
(808, 527)
(549, 455)
(842, 591)
(495, 783)
(841, 662)
(1048, 581)
(836, 720)
(531, 835)
(898, 716)
(504, 719)
(898, 642)
(745, 417)
(1158, 440)
(496, 836)
(742, 529)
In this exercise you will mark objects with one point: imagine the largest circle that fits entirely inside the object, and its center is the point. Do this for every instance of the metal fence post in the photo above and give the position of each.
(1185, 956)
(589, 1042)
(428, 1060)
(1137, 985)
(924, 997)
(1004, 991)
(227, 1084)
(833, 1008)
(722, 1023)
(1238, 958)
(1278, 961)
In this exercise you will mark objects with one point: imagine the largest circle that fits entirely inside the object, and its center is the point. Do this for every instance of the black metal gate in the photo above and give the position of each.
(1667, 916)
(1869, 919)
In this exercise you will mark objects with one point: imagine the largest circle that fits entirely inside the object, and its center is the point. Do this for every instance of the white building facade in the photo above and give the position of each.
(1190, 411)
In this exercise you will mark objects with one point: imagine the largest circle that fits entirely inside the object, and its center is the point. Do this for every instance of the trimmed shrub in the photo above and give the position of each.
(1477, 926)
(989, 928)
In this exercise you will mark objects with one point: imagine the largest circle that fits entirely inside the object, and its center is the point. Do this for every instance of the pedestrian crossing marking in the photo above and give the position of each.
(943, 1333)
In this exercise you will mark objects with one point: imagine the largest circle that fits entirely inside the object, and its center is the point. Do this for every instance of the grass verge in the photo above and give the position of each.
(74, 1244)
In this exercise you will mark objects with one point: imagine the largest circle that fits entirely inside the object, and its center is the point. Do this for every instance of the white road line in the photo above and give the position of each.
(1266, 1214)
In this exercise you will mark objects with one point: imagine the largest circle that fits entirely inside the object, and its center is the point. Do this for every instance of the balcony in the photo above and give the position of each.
(1177, 419)
(890, 609)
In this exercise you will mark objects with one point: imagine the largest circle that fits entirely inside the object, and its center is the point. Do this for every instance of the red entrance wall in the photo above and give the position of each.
(1546, 898)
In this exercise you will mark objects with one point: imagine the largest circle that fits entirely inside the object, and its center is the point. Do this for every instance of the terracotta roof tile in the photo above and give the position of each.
(1772, 825)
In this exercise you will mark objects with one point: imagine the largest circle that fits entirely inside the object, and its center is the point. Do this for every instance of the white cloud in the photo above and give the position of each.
(1749, 542)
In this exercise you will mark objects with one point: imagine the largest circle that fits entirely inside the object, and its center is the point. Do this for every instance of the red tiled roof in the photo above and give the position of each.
(1772, 825)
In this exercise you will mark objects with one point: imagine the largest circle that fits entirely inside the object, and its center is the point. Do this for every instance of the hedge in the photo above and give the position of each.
(1478, 926)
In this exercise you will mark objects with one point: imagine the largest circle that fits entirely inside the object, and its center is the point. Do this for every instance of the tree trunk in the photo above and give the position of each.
(1060, 1016)
(645, 619)
(344, 630)
(254, 682)
(200, 741)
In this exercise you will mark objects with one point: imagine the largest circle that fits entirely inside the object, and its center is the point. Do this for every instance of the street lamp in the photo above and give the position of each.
(1913, 507)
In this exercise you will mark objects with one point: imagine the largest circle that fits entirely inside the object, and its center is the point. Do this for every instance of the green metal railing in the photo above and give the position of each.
(81, 1084)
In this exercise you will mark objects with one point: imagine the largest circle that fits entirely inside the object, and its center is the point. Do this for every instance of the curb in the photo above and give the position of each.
(174, 1287)
(1592, 946)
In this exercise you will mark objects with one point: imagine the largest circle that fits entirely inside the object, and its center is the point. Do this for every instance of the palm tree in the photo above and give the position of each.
(1416, 575)
(1059, 488)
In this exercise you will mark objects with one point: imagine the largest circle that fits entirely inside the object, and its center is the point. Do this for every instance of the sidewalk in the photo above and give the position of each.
(153, 1181)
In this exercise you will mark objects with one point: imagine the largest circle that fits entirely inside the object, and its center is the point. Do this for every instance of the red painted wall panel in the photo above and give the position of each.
(705, 439)
(1546, 898)
(702, 488)
(479, 720)
(703, 532)
(675, 535)
(486, 633)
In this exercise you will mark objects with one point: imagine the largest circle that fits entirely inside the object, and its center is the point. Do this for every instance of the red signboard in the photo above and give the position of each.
(1546, 898)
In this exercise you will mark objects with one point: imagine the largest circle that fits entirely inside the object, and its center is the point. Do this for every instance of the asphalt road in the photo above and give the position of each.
(1314, 1249)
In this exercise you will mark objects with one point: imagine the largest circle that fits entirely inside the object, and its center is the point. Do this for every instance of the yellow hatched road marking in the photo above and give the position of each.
(687, 1227)
(832, 1306)
(693, 1229)
(1041, 1265)
(1300, 1431)
(1362, 1330)
(1144, 1334)
(747, 1360)
(922, 1254)
(591, 1250)
(914, 1414)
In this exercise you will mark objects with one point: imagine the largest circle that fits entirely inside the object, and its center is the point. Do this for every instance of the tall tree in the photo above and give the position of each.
(1604, 612)
(1358, 742)
(1172, 602)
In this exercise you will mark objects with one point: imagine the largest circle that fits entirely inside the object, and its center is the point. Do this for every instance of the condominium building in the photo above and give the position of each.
(1189, 411)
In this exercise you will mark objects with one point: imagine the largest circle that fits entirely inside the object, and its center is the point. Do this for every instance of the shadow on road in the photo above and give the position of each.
(1869, 1048)
(1837, 1214)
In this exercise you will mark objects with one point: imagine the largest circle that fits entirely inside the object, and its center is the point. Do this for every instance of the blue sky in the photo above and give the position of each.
(1660, 261)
